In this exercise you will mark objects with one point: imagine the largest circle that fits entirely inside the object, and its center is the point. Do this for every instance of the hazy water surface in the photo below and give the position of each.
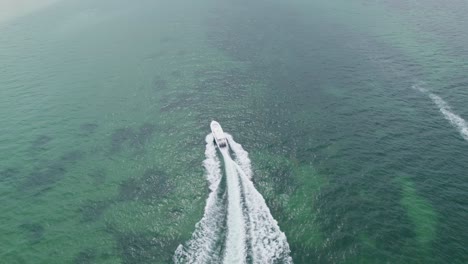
(354, 114)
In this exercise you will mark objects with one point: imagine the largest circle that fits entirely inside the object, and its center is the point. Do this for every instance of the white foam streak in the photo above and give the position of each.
(235, 241)
(242, 156)
(200, 248)
(459, 123)
(251, 231)
(268, 243)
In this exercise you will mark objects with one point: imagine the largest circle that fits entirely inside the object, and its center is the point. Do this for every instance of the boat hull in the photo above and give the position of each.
(218, 134)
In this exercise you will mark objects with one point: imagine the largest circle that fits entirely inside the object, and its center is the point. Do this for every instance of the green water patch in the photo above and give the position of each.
(48, 174)
(92, 211)
(159, 84)
(160, 199)
(138, 188)
(303, 227)
(273, 174)
(290, 189)
(145, 248)
(424, 49)
(43, 226)
(420, 212)
(34, 232)
(88, 129)
(9, 174)
(40, 142)
(133, 138)
(415, 243)
(86, 256)
(152, 185)
(129, 178)
(98, 175)
(152, 231)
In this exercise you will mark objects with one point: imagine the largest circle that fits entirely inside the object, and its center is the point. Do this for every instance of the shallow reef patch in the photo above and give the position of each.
(98, 176)
(72, 156)
(160, 84)
(87, 256)
(34, 232)
(142, 248)
(43, 177)
(88, 129)
(9, 173)
(41, 142)
(143, 134)
(49, 173)
(134, 138)
(92, 211)
(121, 136)
(151, 186)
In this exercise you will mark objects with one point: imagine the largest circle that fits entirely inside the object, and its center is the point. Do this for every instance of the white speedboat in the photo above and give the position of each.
(218, 134)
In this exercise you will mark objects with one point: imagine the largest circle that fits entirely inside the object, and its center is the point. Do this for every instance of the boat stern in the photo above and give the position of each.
(218, 134)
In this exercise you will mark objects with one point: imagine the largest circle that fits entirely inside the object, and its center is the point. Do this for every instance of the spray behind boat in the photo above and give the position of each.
(237, 226)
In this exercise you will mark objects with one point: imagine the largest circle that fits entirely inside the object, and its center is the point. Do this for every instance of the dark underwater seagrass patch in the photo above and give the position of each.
(98, 176)
(43, 177)
(34, 232)
(9, 174)
(40, 142)
(87, 256)
(145, 248)
(133, 138)
(88, 129)
(93, 210)
(153, 185)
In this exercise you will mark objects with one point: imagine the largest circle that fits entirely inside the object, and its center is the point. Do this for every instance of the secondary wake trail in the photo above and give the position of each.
(201, 248)
(458, 122)
(235, 241)
(241, 231)
(242, 156)
(267, 242)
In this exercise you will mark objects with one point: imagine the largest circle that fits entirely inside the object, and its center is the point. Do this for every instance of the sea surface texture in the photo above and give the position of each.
(347, 121)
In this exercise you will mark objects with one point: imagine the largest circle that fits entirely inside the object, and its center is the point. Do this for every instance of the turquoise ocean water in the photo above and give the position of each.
(353, 113)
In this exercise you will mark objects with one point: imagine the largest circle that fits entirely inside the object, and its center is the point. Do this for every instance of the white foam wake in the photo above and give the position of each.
(201, 247)
(459, 123)
(235, 240)
(252, 234)
(242, 156)
(268, 244)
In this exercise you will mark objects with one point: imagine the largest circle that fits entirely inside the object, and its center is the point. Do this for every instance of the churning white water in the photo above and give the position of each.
(240, 229)
(235, 240)
(201, 248)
